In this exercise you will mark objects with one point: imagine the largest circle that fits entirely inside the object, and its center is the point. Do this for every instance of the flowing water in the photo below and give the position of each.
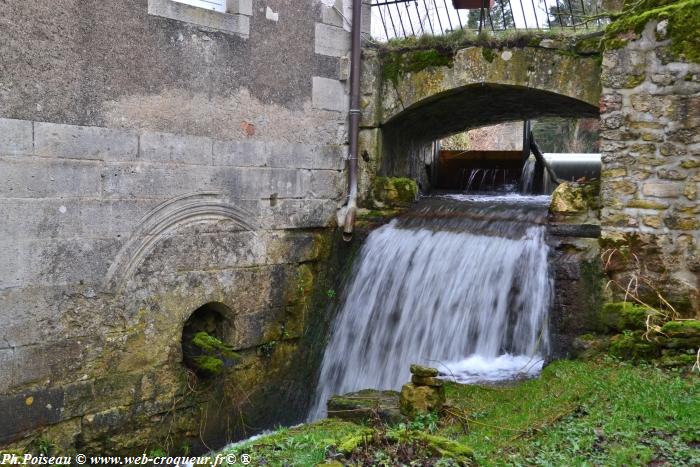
(460, 283)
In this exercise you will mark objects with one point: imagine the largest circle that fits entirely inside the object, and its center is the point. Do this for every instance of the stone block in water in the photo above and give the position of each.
(366, 404)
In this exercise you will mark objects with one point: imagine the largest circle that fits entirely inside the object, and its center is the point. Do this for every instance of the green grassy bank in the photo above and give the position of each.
(603, 412)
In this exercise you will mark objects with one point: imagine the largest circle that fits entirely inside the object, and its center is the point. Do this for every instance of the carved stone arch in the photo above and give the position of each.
(160, 222)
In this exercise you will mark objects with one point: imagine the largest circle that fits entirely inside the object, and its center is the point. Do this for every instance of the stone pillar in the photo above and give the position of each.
(650, 144)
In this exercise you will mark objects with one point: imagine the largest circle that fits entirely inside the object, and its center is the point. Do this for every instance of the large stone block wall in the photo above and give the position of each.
(650, 144)
(150, 164)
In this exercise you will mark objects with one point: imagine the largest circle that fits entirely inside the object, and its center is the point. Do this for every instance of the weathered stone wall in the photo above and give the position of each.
(154, 158)
(650, 130)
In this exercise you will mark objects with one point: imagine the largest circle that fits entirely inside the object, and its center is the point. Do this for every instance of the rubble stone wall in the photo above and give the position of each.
(650, 144)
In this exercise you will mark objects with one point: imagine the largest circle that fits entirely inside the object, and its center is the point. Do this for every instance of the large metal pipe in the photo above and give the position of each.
(355, 112)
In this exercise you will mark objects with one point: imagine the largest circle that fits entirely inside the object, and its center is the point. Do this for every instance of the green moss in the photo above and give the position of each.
(414, 54)
(674, 361)
(210, 344)
(646, 204)
(683, 28)
(686, 328)
(352, 442)
(633, 81)
(208, 365)
(488, 54)
(400, 63)
(394, 191)
(444, 447)
(633, 346)
(621, 316)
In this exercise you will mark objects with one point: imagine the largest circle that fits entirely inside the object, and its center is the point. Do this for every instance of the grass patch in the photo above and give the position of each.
(305, 445)
(577, 413)
(584, 413)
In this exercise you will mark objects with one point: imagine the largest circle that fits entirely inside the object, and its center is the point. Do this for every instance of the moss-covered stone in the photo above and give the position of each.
(632, 346)
(685, 328)
(397, 63)
(575, 202)
(415, 400)
(394, 191)
(365, 405)
(425, 371)
(445, 448)
(672, 361)
(621, 316)
(210, 344)
(426, 381)
(683, 25)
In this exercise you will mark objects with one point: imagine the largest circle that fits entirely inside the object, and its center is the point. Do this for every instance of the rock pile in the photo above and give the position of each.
(425, 393)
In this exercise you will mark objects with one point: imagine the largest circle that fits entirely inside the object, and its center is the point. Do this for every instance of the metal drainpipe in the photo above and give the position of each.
(355, 112)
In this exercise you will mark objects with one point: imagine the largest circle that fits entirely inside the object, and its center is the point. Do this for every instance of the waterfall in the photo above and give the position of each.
(460, 283)
(527, 179)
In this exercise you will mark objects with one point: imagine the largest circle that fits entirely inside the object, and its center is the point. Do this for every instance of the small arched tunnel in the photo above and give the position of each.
(408, 136)
(204, 340)
(415, 103)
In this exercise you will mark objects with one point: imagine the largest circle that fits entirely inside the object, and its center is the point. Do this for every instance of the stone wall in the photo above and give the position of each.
(155, 157)
(650, 130)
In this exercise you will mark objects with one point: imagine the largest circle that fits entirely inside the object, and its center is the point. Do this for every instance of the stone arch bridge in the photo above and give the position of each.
(415, 96)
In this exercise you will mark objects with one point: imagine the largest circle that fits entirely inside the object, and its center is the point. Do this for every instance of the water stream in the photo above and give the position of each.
(460, 283)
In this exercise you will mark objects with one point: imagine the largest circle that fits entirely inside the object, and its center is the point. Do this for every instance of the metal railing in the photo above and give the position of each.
(405, 18)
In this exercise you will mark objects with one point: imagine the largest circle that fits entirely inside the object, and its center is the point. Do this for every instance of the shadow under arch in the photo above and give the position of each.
(409, 132)
(215, 319)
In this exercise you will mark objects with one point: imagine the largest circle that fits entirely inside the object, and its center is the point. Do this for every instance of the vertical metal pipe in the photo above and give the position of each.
(546, 10)
(512, 15)
(391, 17)
(503, 16)
(355, 112)
(561, 22)
(522, 9)
(583, 14)
(383, 22)
(534, 10)
(401, 20)
(447, 10)
(571, 12)
(488, 14)
(442, 30)
(427, 17)
(410, 21)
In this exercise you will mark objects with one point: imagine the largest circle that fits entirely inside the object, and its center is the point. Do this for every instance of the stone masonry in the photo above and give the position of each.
(155, 158)
(650, 141)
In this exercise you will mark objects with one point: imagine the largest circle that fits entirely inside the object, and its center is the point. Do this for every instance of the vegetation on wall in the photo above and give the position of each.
(683, 25)
(413, 54)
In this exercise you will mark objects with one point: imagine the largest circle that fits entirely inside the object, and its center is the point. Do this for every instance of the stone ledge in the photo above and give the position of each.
(16, 136)
(574, 230)
(55, 141)
(236, 23)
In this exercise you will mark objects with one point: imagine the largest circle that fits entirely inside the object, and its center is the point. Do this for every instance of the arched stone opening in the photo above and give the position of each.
(205, 337)
(408, 137)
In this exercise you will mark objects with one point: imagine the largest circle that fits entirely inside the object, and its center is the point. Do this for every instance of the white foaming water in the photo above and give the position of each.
(478, 369)
(450, 286)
